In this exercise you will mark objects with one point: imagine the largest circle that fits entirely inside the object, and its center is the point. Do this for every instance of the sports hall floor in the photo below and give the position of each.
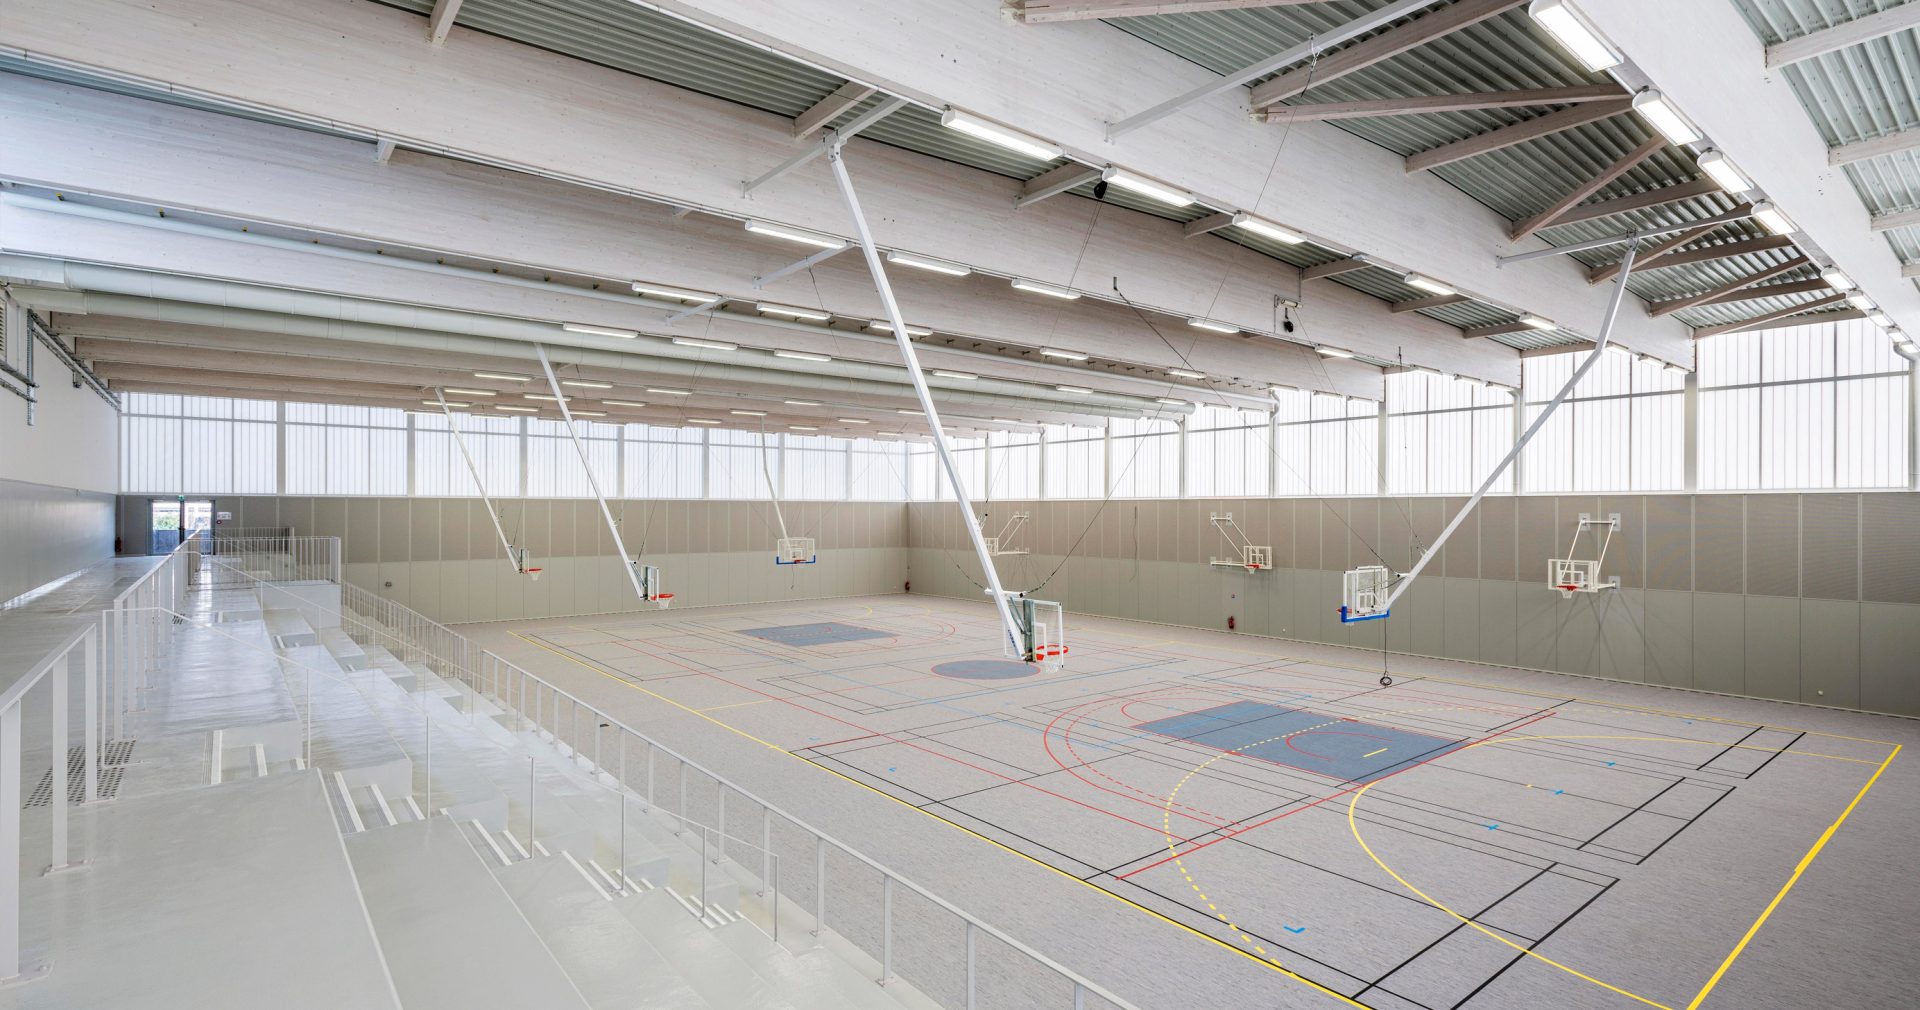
(1208, 820)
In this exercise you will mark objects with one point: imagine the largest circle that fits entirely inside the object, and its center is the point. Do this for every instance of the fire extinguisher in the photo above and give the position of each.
(1230, 622)
(908, 589)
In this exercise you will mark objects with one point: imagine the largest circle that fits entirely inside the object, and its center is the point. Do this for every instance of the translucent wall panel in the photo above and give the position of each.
(1620, 430)
(970, 458)
(879, 470)
(816, 468)
(1144, 458)
(553, 464)
(1444, 435)
(1228, 453)
(198, 444)
(1076, 462)
(663, 462)
(1014, 471)
(737, 463)
(1325, 444)
(439, 470)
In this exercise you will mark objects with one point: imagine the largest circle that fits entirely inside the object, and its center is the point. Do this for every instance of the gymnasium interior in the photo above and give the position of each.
(959, 504)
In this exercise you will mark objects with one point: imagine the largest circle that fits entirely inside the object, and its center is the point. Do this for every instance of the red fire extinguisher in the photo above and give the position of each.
(1230, 622)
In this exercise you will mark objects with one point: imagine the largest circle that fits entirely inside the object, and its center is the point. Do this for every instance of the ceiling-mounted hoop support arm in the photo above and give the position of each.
(1633, 236)
(1017, 643)
(1401, 584)
(515, 556)
(649, 592)
(789, 550)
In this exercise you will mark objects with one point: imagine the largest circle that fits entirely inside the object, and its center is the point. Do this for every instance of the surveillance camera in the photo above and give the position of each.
(1100, 190)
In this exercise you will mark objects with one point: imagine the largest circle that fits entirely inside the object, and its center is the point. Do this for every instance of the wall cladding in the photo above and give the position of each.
(1797, 597)
(441, 556)
(51, 532)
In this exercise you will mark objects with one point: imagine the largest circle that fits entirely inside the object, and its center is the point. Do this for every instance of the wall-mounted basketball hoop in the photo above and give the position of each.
(1249, 555)
(794, 551)
(1570, 575)
(1001, 545)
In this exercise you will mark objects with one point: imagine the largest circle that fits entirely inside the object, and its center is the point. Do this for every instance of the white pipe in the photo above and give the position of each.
(899, 321)
(478, 481)
(1599, 348)
(586, 464)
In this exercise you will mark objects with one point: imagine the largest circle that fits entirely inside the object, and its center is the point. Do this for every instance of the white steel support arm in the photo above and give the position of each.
(1599, 347)
(772, 491)
(875, 266)
(478, 481)
(566, 415)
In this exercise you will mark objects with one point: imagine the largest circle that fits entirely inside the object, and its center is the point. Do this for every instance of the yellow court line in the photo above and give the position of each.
(1382, 750)
(1353, 825)
(1097, 889)
(737, 704)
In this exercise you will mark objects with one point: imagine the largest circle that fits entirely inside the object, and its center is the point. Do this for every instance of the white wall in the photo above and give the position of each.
(57, 478)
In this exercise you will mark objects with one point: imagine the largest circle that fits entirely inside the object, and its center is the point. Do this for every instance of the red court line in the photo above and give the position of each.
(1323, 799)
(1155, 801)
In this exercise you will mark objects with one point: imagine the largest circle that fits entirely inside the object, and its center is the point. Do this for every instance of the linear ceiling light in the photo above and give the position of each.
(994, 133)
(469, 392)
(801, 403)
(1186, 373)
(1170, 401)
(1267, 229)
(1210, 324)
(1657, 110)
(1880, 319)
(702, 420)
(801, 356)
(1772, 218)
(944, 374)
(542, 396)
(586, 384)
(749, 413)
(1425, 283)
(928, 263)
(802, 427)
(1837, 279)
(1724, 175)
(882, 326)
(1334, 352)
(792, 312)
(1074, 390)
(1572, 30)
(589, 413)
(602, 331)
(503, 377)
(1860, 301)
(517, 410)
(907, 411)
(1063, 354)
(800, 235)
(1538, 322)
(669, 392)
(621, 403)
(1140, 184)
(853, 420)
(1042, 288)
(672, 294)
(708, 345)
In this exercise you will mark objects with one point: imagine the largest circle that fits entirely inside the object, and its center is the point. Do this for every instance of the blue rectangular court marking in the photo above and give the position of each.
(816, 634)
(1331, 745)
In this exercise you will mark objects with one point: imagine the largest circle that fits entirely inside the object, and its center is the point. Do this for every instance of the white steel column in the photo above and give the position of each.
(478, 481)
(1599, 348)
(10, 842)
(566, 416)
(835, 157)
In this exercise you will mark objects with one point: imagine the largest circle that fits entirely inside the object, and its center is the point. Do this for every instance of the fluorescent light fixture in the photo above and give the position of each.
(589, 413)
(1186, 373)
(1209, 324)
(469, 392)
(906, 411)
(1140, 184)
(1676, 369)
(1074, 390)
(586, 384)
(929, 263)
(1170, 401)
(669, 392)
(450, 403)
(1005, 420)
(1837, 279)
(702, 420)
(1428, 284)
(796, 235)
(1722, 172)
(600, 331)
(882, 326)
(1334, 352)
(1880, 319)
(707, 345)
(1654, 106)
(517, 410)
(621, 403)
(1860, 301)
(503, 377)
(1471, 381)
(672, 294)
(1907, 347)
(853, 420)
(1572, 30)
(801, 403)
(749, 413)
(1041, 288)
(994, 133)
(542, 396)
(1267, 229)
(1772, 218)
(792, 311)
(801, 356)
(1537, 322)
(1062, 353)
(802, 427)
(943, 373)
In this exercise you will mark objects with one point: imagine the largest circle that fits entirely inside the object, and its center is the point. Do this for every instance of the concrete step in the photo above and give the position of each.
(453, 938)
(813, 980)
(709, 966)
(601, 950)
(289, 629)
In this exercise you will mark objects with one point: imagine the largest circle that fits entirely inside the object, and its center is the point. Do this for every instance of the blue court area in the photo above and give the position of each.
(985, 669)
(826, 633)
(1343, 748)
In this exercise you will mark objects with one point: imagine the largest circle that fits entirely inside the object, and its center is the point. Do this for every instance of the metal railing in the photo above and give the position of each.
(267, 559)
(135, 634)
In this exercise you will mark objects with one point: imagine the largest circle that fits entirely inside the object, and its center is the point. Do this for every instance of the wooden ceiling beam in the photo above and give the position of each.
(1518, 133)
(1760, 321)
(1414, 104)
(1384, 46)
(1707, 254)
(1769, 291)
(1043, 11)
(1659, 309)
(1664, 248)
(1434, 302)
(1559, 208)
(1843, 35)
(1333, 269)
(1639, 201)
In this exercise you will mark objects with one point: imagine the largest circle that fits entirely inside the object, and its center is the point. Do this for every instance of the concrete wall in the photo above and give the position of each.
(57, 478)
(1812, 598)
(441, 556)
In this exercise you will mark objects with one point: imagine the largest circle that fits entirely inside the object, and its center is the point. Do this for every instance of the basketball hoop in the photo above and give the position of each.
(661, 600)
(533, 573)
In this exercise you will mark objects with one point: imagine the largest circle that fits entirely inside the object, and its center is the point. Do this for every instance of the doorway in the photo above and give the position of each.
(174, 518)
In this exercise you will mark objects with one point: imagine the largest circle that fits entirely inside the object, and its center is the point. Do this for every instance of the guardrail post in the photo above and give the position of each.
(683, 796)
(650, 774)
(533, 798)
(1079, 997)
(819, 886)
(90, 739)
(10, 842)
(970, 966)
(886, 929)
(721, 821)
(59, 758)
(766, 847)
(620, 875)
